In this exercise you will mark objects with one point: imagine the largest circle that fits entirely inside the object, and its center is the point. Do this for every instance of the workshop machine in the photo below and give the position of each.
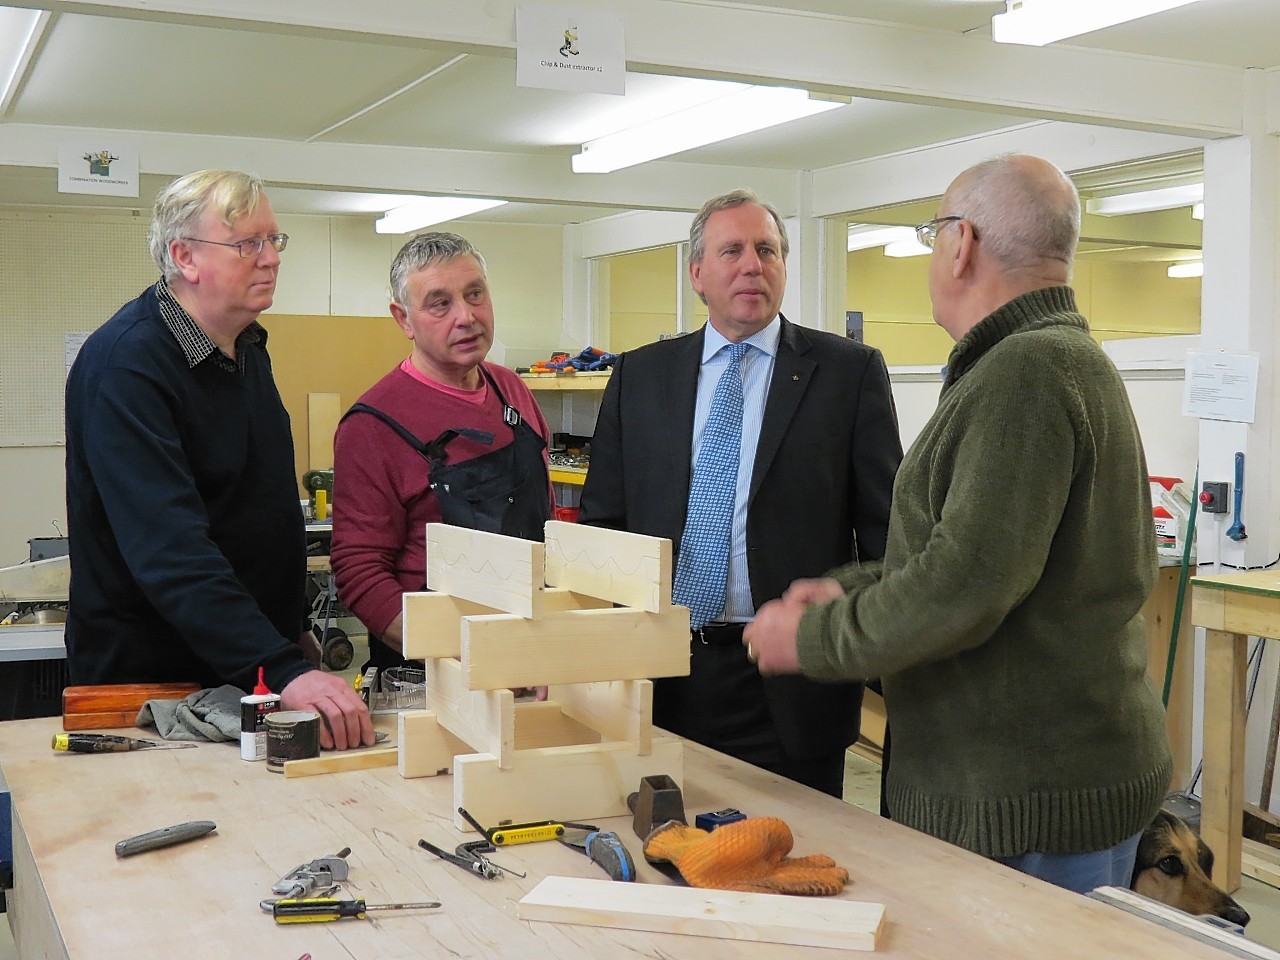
(33, 608)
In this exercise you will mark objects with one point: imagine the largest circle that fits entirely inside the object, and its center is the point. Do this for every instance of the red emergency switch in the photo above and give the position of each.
(1213, 497)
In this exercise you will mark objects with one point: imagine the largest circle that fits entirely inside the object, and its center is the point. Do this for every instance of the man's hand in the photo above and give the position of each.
(346, 719)
(771, 637)
(814, 590)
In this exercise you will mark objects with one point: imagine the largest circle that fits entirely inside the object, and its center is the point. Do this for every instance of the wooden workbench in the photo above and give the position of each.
(73, 898)
(1231, 607)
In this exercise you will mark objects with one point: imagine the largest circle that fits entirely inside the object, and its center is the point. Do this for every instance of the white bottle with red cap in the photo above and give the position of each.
(253, 720)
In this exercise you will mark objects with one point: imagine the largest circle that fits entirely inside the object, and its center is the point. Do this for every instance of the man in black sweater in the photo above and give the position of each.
(187, 552)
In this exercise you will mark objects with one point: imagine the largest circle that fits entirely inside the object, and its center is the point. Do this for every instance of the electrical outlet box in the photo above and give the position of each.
(1214, 496)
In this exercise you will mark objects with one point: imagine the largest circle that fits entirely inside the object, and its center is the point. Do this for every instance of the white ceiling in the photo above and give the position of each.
(169, 68)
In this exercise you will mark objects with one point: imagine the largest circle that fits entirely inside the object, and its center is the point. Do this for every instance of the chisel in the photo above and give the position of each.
(107, 743)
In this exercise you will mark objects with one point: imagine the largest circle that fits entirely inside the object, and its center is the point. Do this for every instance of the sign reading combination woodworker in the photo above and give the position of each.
(107, 167)
(570, 48)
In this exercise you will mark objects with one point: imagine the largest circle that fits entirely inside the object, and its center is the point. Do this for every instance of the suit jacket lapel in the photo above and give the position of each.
(791, 373)
(678, 390)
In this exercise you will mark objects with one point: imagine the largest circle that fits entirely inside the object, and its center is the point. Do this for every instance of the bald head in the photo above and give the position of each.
(1025, 212)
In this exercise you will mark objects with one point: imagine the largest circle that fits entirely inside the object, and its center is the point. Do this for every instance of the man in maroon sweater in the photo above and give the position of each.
(445, 436)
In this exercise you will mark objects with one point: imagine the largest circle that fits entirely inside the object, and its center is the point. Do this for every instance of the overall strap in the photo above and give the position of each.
(428, 451)
(510, 415)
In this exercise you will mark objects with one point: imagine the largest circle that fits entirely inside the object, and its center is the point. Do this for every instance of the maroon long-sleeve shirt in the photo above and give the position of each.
(381, 495)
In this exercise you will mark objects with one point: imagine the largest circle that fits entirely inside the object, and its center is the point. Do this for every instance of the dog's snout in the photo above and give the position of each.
(1234, 913)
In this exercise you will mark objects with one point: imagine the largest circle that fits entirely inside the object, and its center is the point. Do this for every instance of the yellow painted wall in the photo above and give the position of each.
(1119, 299)
(642, 297)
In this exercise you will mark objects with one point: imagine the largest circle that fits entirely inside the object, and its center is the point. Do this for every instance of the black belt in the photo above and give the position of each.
(720, 634)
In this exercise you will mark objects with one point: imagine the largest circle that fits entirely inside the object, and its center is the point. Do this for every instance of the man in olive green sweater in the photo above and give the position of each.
(1004, 618)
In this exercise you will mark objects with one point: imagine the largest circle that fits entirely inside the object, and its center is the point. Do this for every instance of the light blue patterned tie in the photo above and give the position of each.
(703, 564)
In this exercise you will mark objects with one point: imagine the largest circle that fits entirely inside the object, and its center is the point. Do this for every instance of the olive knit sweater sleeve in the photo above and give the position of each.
(991, 520)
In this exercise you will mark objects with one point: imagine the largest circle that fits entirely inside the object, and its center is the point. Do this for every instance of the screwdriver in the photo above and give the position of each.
(106, 743)
(322, 909)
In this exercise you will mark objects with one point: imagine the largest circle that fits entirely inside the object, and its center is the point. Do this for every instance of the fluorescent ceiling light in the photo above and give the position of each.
(742, 110)
(1037, 22)
(1166, 198)
(431, 210)
(1191, 268)
(906, 248)
(1197, 211)
(863, 236)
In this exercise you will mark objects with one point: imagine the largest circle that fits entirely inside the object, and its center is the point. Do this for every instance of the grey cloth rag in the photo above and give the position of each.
(209, 714)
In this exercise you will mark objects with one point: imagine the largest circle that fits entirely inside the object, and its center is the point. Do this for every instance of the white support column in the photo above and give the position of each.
(686, 299)
(575, 323)
(804, 300)
(1239, 314)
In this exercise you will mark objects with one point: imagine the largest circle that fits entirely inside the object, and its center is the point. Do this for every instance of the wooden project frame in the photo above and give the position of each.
(588, 614)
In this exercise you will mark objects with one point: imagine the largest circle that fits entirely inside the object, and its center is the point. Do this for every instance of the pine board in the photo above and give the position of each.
(771, 918)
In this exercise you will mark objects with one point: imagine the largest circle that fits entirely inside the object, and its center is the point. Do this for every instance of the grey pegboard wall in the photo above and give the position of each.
(59, 274)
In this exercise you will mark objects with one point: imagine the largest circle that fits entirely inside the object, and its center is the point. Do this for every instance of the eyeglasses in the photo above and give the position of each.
(927, 232)
(251, 248)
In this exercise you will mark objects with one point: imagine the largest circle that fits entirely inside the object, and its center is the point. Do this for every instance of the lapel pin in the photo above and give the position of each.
(795, 376)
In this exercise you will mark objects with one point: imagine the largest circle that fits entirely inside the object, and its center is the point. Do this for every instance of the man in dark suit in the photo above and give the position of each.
(815, 439)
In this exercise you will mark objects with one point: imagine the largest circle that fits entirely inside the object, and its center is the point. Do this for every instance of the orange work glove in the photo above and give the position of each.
(749, 855)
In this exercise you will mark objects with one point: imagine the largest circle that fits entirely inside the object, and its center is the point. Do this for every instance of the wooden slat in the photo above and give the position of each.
(625, 568)
(324, 410)
(1223, 795)
(1158, 614)
(749, 917)
(500, 572)
(331, 762)
(580, 646)
(546, 725)
(483, 719)
(568, 783)
(433, 621)
(426, 748)
(619, 709)
(432, 624)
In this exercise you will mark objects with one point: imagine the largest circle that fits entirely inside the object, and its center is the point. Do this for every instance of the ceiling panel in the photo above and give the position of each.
(128, 74)
(865, 128)
(139, 75)
(1237, 33)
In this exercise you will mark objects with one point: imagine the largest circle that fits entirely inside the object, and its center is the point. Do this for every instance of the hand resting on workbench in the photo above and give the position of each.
(346, 718)
(749, 855)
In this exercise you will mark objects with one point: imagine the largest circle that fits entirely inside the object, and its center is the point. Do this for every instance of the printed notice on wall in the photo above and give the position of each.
(106, 166)
(71, 344)
(570, 48)
(1221, 386)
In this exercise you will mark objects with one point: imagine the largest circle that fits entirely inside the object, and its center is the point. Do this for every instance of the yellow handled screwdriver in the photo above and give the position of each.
(108, 743)
(321, 909)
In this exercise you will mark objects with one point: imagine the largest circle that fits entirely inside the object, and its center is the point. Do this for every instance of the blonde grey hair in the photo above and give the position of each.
(421, 252)
(727, 201)
(1019, 217)
(229, 193)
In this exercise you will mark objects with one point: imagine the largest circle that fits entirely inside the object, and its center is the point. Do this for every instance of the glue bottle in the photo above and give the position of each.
(253, 720)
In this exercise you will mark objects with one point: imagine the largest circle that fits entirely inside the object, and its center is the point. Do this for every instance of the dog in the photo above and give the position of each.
(1174, 865)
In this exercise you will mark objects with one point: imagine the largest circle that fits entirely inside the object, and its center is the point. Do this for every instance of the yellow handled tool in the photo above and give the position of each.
(322, 909)
(108, 743)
